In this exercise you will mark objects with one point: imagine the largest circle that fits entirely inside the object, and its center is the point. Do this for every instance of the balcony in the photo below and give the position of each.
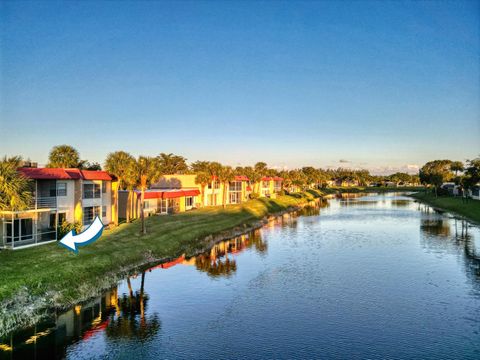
(44, 202)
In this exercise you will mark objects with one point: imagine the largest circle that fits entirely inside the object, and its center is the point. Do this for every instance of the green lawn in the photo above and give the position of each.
(61, 278)
(470, 210)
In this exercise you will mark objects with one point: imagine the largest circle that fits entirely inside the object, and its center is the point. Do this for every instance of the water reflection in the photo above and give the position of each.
(131, 318)
(435, 227)
(443, 234)
(121, 316)
(218, 261)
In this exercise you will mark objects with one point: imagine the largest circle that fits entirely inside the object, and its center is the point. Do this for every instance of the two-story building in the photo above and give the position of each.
(270, 186)
(59, 195)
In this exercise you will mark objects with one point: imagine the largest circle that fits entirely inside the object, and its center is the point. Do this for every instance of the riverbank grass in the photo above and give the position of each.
(62, 278)
(470, 209)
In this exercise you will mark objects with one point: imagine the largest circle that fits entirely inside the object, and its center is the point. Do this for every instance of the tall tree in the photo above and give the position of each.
(148, 171)
(172, 164)
(131, 181)
(15, 190)
(436, 173)
(225, 175)
(64, 156)
(472, 173)
(456, 166)
(119, 163)
(202, 179)
(254, 178)
(200, 166)
(213, 170)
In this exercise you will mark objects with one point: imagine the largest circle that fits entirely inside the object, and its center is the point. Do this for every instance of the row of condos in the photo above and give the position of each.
(59, 195)
(78, 196)
(180, 192)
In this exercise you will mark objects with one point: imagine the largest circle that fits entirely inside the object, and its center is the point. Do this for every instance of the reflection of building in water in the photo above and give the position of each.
(118, 317)
(49, 339)
(217, 261)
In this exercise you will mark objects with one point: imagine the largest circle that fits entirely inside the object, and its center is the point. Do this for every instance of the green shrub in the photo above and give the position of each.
(65, 227)
(254, 195)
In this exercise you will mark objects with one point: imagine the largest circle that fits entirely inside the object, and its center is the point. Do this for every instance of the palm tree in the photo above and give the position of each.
(225, 175)
(119, 163)
(200, 166)
(131, 181)
(15, 191)
(203, 179)
(172, 164)
(148, 171)
(64, 156)
(254, 178)
(213, 170)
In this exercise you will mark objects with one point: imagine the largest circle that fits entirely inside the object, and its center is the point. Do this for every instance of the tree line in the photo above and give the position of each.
(138, 173)
(438, 172)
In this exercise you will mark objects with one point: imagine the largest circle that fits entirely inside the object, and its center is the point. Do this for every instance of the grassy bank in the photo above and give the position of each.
(49, 275)
(470, 210)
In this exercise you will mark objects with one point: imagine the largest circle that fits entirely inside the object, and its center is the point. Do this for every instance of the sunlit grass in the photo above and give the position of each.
(62, 277)
(470, 209)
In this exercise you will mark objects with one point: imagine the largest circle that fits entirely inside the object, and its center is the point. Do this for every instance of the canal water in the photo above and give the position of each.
(375, 276)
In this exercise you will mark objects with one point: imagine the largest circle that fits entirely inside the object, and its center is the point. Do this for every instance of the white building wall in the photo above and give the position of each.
(66, 204)
(107, 202)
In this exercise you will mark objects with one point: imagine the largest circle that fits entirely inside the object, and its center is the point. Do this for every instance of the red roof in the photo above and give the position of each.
(168, 194)
(64, 174)
(96, 175)
(241, 178)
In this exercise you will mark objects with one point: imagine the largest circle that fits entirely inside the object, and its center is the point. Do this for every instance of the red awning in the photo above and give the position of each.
(168, 194)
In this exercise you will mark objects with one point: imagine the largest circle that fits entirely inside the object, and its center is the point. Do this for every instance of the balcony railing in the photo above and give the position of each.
(44, 202)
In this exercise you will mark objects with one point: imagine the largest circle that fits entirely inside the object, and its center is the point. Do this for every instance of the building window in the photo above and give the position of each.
(235, 186)
(265, 184)
(62, 217)
(89, 214)
(104, 211)
(61, 189)
(91, 191)
(52, 191)
(189, 201)
(104, 187)
(146, 205)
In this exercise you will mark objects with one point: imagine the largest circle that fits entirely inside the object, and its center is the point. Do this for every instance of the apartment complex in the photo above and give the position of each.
(71, 195)
(179, 192)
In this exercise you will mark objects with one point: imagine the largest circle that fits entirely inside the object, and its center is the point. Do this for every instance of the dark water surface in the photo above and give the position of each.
(367, 277)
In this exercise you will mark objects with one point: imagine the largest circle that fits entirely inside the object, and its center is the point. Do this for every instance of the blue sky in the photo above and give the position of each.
(380, 85)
